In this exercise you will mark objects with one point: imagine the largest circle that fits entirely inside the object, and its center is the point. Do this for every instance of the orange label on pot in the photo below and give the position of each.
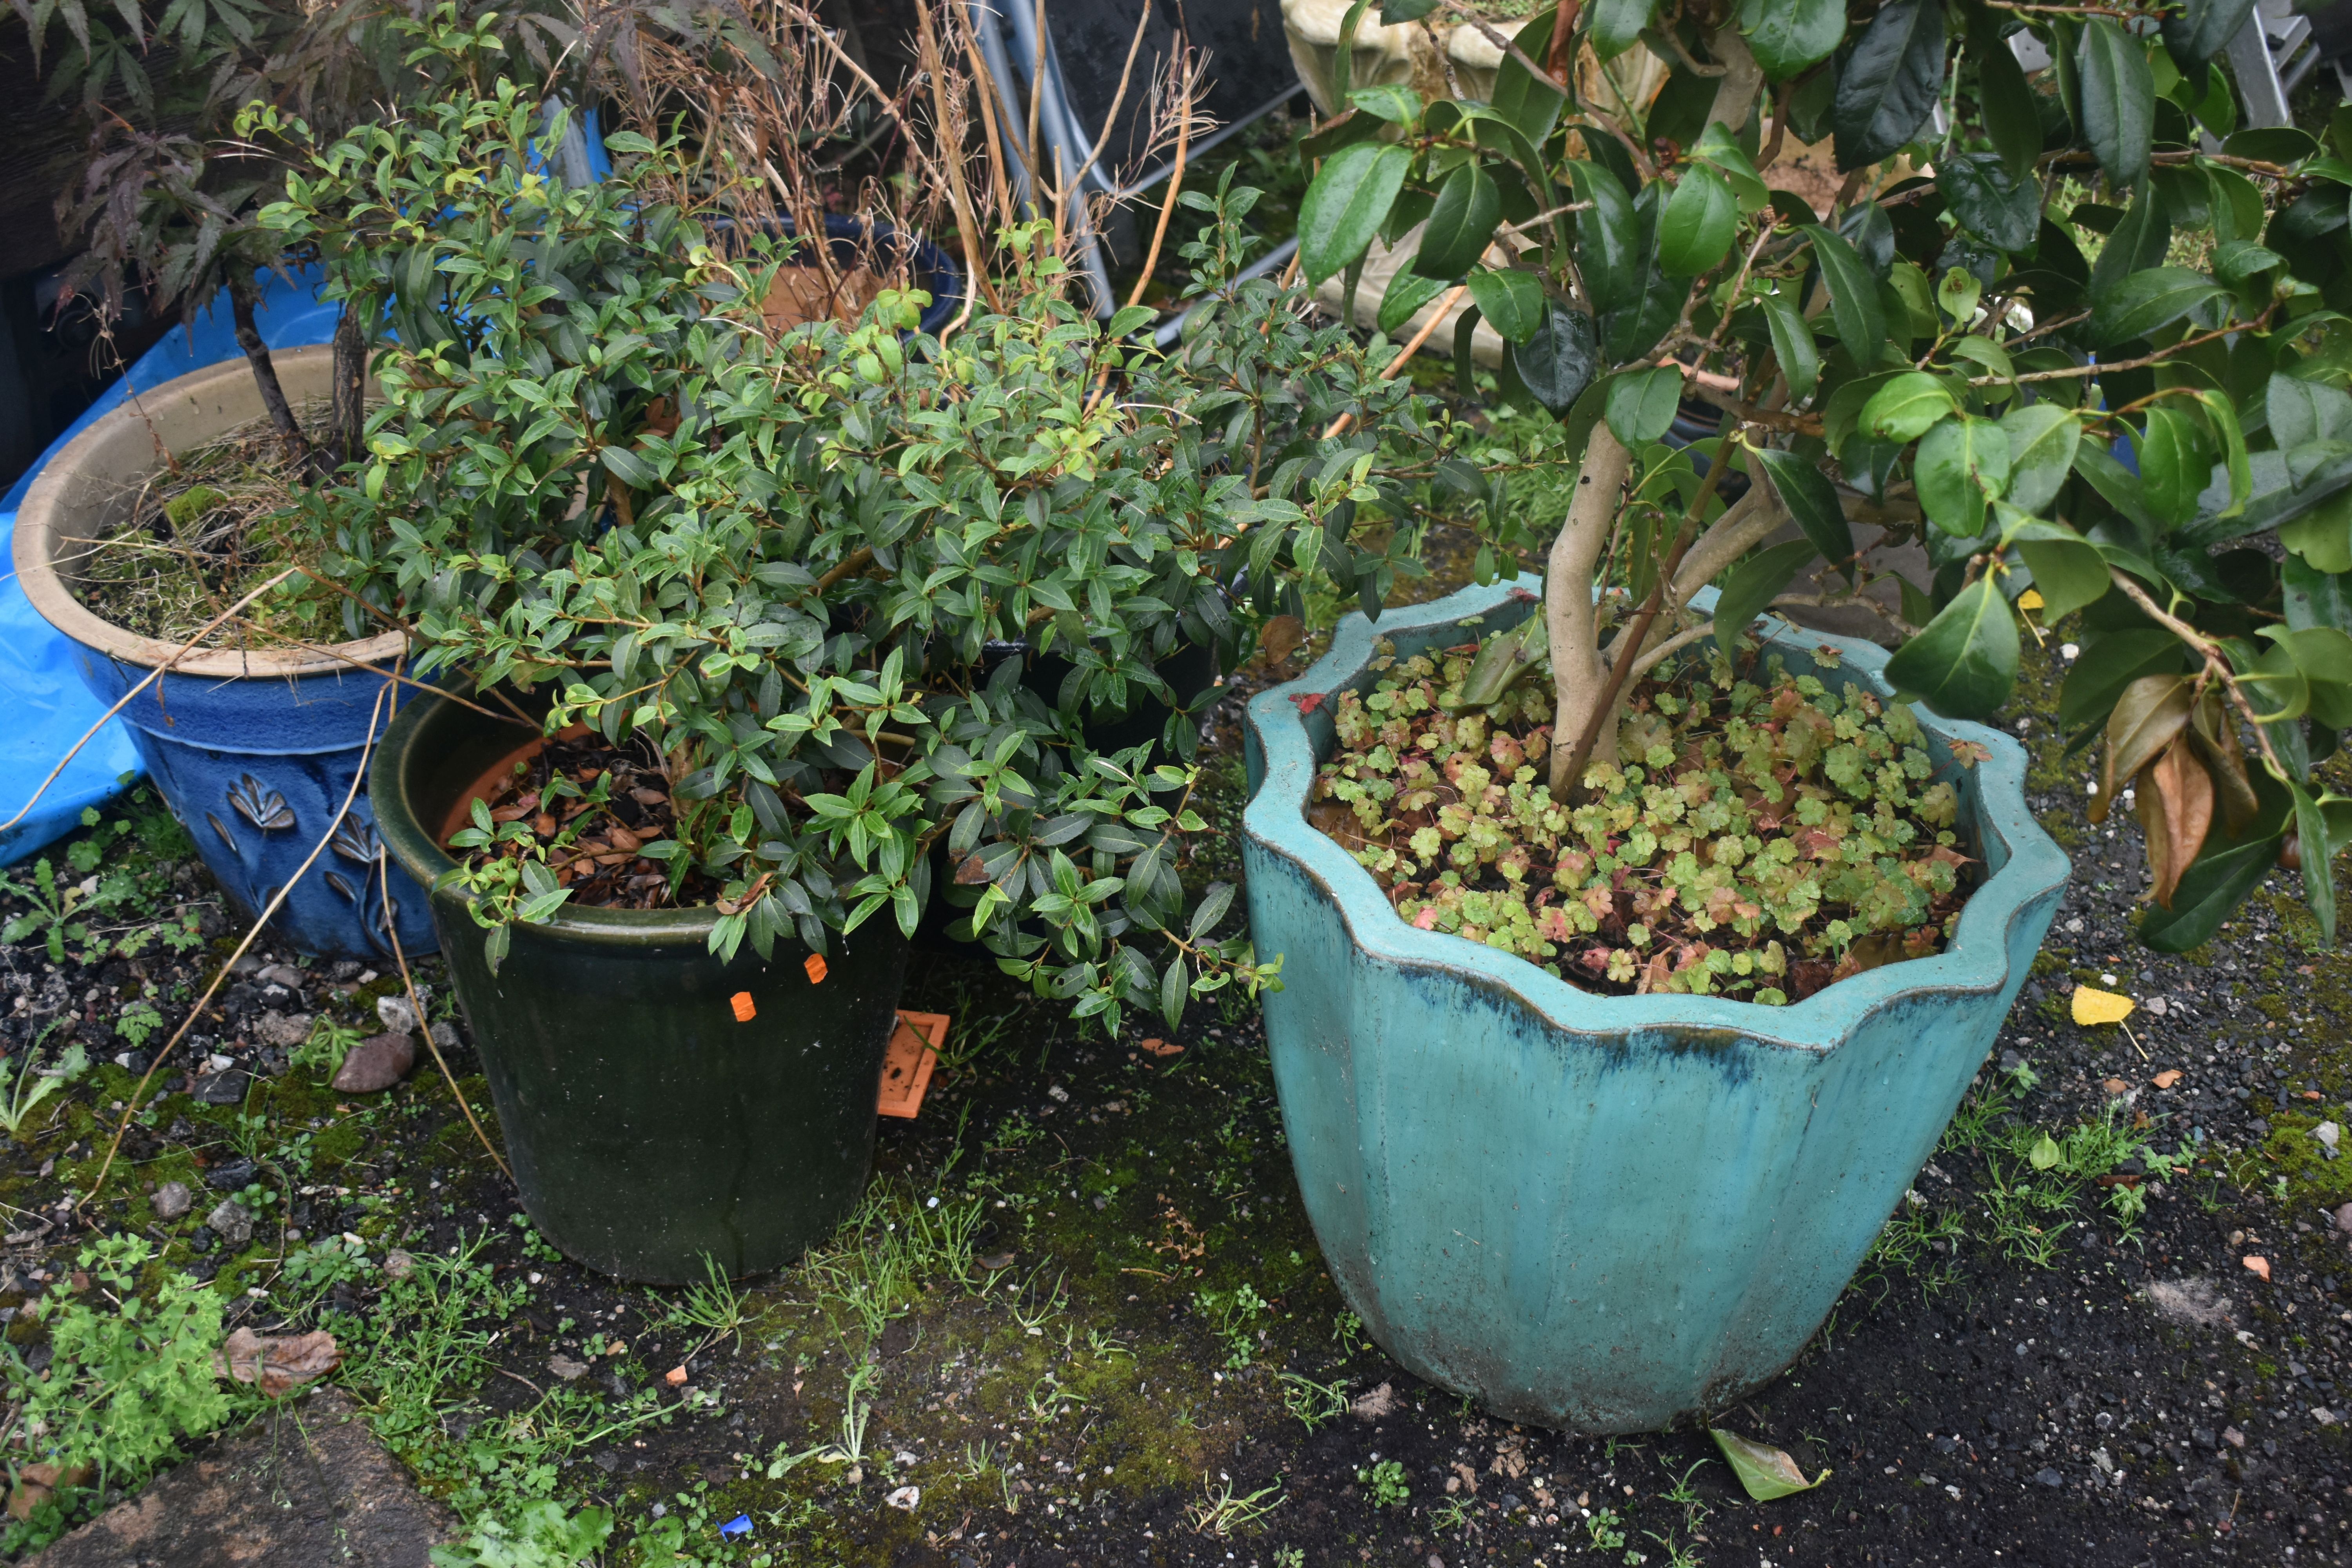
(745, 1010)
(815, 967)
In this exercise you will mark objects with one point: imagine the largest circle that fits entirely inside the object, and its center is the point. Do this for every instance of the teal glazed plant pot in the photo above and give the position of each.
(1592, 1212)
(650, 1129)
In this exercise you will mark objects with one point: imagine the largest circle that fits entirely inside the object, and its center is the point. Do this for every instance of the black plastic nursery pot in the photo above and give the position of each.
(663, 1111)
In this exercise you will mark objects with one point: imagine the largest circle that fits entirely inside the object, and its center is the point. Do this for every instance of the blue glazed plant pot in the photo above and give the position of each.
(1592, 1212)
(254, 751)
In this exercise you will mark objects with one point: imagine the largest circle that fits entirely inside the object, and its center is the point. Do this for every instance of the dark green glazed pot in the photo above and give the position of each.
(648, 1130)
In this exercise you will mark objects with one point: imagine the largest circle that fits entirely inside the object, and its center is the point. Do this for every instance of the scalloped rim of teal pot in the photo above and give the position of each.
(425, 860)
(1976, 960)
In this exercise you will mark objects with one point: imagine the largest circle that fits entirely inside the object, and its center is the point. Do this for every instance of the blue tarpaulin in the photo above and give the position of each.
(50, 707)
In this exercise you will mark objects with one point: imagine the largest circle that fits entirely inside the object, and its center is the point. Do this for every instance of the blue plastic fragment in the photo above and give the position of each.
(738, 1526)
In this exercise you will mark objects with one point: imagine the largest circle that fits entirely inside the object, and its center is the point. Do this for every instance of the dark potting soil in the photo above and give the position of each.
(1113, 1340)
(617, 801)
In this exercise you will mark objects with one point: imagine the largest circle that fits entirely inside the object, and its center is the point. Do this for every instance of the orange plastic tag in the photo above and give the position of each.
(745, 1010)
(815, 967)
(906, 1069)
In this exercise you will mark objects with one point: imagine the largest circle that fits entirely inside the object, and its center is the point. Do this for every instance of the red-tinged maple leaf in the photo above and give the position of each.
(1308, 703)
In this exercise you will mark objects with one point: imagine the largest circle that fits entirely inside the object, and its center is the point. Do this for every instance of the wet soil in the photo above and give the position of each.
(1085, 1320)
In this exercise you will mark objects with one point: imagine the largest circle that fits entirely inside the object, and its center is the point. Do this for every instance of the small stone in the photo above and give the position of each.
(172, 1200)
(284, 1030)
(376, 1063)
(905, 1499)
(2050, 1477)
(284, 974)
(2327, 1132)
(2158, 1006)
(222, 1087)
(2343, 1217)
(396, 1015)
(2203, 1437)
(229, 1221)
(675, 1376)
(2231, 1435)
(231, 1175)
(1061, 1095)
(2258, 1267)
(564, 1367)
(445, 1034)
(398, 1265)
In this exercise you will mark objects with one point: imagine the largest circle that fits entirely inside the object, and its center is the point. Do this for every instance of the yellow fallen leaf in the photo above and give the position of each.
(2096, 1006)
(2029, 600)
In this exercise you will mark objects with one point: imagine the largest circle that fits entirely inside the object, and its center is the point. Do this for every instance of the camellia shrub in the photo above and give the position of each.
(2042, 330)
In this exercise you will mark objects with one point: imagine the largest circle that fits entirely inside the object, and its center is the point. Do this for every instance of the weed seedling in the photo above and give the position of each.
(22, 1088)
(1313, 1402)
(322, 1055)
(1220, 1512)
(1384, 1483)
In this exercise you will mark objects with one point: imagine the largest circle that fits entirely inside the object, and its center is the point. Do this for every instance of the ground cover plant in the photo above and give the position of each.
(1745, 812)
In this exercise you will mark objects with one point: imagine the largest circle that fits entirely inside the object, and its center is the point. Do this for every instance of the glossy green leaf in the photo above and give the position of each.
(1792, 346)
(2174, 464)
(1530, 101)
(2137, 241)
(1462, 225)
(1345, 205)
(1990, 202)
(2118, 98)
(2315, 598)
(1906, 407)
(2041, 441)
(1609, 250)
(1788, 35)
(1407, 292)
(2318, 866)
(1560, 360)
(2227, 869)
(1963, 664)
(1752, 586)
(1695, 230)
(1513, 302)
(1393, 101)
(1642, 403)
(1889, 82)
(2146, 301)
(1963, 464)
(1854, 309)
(2068, 572)
(2300, 412)
(1617, 24)
(2199, 29)
(1812, 501)
(2012, 114)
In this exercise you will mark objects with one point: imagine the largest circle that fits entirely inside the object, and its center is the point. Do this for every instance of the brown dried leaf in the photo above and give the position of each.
(2216, 734)
(277, 1363)
(972, 872)
(1280, 638)
(2151, 711)
(2175, 806)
